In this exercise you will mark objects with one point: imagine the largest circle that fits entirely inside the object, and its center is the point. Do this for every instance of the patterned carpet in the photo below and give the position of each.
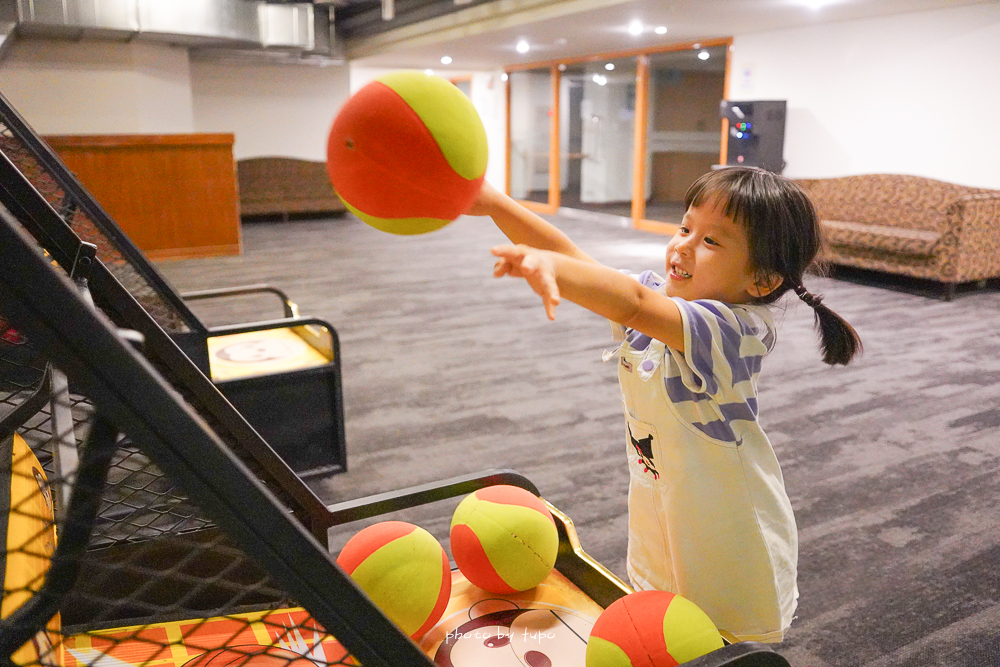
(892, 464)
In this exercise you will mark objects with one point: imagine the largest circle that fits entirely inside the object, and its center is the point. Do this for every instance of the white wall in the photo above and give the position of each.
(93, 87)
(909, 94)
(489, 100)
(143, 87)
(487, 95)
(273, 109)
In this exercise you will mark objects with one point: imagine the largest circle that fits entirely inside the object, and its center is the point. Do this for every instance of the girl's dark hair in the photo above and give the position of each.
(784, 238)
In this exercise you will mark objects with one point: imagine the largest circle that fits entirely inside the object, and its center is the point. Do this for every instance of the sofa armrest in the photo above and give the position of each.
(971, 242)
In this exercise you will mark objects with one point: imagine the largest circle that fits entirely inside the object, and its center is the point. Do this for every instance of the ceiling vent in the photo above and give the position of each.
(287, 31)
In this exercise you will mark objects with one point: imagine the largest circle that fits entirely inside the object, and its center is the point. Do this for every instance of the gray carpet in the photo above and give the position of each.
(892, 464)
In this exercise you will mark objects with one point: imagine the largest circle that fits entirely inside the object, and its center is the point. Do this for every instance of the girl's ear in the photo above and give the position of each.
(764, 285)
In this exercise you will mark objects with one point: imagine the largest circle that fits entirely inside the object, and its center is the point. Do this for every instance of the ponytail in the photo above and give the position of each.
(838, 339)
(784, 238)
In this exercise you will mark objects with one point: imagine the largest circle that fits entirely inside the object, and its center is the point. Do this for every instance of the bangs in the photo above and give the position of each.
(739, 193)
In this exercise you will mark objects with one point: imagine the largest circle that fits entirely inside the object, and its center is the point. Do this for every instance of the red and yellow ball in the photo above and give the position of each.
(504, 539)
(651, 628)
(404, 570)
(407, 153)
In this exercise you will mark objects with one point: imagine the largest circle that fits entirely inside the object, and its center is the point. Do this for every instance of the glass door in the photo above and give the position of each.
(530, 133)
(683, 136)
(597, 129)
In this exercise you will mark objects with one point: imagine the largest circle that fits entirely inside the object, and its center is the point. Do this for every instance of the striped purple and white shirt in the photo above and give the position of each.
(713, 383)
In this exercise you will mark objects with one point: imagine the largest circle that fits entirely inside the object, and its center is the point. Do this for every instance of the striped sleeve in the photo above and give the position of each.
(713, 382)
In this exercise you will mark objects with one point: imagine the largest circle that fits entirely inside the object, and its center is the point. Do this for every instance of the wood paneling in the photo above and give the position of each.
(687, 101)
(673, 172)
(174, 195)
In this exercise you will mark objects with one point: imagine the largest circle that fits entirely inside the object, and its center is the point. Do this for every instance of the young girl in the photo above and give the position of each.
(709, 518)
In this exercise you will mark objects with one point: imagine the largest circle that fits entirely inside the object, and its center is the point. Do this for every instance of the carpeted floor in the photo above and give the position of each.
(892, 464)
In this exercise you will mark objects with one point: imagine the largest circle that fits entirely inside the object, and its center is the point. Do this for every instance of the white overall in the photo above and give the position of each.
(708, 519)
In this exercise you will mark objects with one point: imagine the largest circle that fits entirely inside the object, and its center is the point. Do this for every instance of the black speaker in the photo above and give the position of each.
(756, 133)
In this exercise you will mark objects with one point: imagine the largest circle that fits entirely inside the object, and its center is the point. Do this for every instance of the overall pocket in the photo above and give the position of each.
(642, 445)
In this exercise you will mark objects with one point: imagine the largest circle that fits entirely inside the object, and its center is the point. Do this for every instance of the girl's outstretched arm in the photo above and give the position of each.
(596, 287)
(521, 225)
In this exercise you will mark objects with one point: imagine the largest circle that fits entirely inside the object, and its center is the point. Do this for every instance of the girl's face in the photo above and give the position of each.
(709, 258)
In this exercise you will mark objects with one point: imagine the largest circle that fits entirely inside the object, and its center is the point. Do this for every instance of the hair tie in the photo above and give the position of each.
(810, 299)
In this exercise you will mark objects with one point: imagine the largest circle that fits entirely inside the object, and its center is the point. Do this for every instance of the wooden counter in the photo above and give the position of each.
(175, 195)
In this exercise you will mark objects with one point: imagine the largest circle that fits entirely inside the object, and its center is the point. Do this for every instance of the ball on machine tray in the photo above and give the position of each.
(404, 570)
(504, 539)
(651, 628)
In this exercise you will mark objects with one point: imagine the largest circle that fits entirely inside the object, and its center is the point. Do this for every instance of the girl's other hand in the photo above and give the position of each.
(535, 266)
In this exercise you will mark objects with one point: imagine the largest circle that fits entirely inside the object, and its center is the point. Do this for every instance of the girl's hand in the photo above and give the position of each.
(535, 266)
(486, 200)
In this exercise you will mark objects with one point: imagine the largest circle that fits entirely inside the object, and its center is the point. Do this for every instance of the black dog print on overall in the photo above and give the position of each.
(644, 448)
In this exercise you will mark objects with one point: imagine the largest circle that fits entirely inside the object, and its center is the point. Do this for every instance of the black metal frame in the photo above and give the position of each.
(320, 451)
(130, 395)
(64, 246)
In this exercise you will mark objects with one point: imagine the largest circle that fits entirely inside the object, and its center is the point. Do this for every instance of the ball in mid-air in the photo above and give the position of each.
(648, 628)
(407, 153)
(504, 539)
(404, 570)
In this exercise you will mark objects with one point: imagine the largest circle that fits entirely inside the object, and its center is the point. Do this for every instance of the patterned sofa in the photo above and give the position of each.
(285, 186)
(909, 225)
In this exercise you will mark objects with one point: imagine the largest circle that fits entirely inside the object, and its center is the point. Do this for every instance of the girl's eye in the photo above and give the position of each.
(682, 230)
(710, 241)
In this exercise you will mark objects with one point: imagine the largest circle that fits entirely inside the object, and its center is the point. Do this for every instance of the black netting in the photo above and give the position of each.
(49, 185)
(157, 582)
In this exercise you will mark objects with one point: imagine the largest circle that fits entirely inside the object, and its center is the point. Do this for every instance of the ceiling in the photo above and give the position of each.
(483, 34)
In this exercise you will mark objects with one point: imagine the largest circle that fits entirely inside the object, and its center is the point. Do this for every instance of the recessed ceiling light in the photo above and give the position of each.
(522, 46)
(609, 66)
(600, 79)
(429, 72)
(445, 60)
(504, 77)
(661, 30)
(696, 46)
(562, 67)
(704, 55)
(635, 27)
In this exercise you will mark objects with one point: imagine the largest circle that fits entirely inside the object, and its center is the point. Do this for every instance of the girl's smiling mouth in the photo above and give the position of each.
(678, 272)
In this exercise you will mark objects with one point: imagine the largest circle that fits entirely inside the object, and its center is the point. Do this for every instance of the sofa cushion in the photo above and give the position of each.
(897, 240)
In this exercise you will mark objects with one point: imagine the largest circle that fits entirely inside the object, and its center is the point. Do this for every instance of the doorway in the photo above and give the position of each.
(624, 134)
(597, 131)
